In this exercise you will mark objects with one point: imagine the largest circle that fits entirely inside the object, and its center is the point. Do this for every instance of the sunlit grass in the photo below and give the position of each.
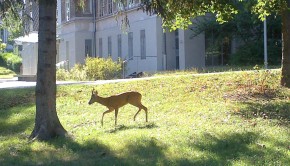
(212, 69)
(223, 119)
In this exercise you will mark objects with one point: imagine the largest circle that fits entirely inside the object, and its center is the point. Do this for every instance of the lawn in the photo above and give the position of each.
(6, 73)
(235, 118)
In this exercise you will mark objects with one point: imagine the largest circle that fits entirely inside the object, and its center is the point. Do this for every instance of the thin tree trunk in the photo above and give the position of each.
(285, 80)
(47, 124)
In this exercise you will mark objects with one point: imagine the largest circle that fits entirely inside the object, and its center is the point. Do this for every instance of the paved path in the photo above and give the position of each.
(14, 83)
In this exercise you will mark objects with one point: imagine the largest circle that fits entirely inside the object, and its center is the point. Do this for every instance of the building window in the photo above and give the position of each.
(133, 3)
(100, 47)
(67, 10)
(177, 48)
(119, 45)
(143, 44)
(110, 6)
(88, 7)
(20, 47)
(57, 13)
(120, 5)
(88, 47)
(2, 34)
(130, 45)
(110, 46)
(102, 7)
(67, 54)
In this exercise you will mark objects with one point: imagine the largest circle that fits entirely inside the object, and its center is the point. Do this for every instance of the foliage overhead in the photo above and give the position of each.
(13, 16)
(248, 29)
(10, 7)
(178, 14)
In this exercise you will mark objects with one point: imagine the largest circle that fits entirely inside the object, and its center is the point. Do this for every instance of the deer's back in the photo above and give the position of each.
(122, 99)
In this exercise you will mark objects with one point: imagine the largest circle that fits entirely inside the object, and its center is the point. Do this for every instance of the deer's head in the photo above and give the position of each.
(93, 97)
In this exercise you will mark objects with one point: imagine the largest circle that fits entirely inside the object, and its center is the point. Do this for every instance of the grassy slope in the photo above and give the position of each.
(228, 119)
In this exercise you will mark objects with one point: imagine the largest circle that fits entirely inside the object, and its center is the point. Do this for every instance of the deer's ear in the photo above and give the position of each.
(93, 91)
(96, 92)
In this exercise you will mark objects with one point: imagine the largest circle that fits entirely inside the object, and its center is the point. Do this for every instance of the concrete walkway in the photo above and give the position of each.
(14, 83)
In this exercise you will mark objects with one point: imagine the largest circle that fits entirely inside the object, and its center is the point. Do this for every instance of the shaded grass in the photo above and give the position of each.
(226, 119)
(16, 97)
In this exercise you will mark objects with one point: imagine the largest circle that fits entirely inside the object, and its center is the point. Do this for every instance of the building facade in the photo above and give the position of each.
(96, 30)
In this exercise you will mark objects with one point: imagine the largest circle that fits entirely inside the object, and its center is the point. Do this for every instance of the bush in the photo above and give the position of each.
(94, 69)
(62, 75)
(102, 69)
(78, 73)
(11, 61)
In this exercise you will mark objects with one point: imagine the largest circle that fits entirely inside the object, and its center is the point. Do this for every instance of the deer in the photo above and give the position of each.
(117, 101)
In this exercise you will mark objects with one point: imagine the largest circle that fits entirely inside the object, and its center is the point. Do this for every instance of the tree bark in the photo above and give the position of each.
(285, 80)
(47, 124)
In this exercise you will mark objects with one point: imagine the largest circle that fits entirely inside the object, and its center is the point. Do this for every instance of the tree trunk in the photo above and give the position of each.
(47, 124)
(285, 80)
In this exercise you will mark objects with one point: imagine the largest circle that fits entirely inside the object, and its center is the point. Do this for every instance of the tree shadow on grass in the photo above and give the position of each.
(123, 127)
(10, 126)
(220, 151)
(14, 97)
(92, 152)
(15, 102)
(278, 111)
(146, 151)
(228, 148)
(60, 151)
(214, 150)
(68, 151)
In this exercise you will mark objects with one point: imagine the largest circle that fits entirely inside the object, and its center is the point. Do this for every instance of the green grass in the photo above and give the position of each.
(223, 119)
(6, 73)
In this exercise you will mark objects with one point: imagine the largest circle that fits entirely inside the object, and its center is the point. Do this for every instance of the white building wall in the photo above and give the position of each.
(191, 50)
(74, 33)
(159, 55)
(29, 58)
(138, 21)
(58, 16)
(159, 44)
(67, 54)
(170, 51)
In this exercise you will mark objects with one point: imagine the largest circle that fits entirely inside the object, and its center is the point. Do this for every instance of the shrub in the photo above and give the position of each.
(78, 73)
(11, 61)
(94, 69)
(100, 68)
(4, 71)
(62, 75)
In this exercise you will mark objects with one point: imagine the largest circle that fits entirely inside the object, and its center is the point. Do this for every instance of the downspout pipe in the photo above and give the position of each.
(95, 28)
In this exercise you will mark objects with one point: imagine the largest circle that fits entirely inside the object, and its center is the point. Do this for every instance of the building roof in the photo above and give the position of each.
(30, 38)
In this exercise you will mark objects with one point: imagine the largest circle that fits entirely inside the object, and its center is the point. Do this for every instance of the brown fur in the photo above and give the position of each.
(116, 101)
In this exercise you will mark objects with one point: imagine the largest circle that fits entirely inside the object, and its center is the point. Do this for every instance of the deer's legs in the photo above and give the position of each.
(110, 110)
(137, 113)
(146, 112)
(116, 115)
(145, 109)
